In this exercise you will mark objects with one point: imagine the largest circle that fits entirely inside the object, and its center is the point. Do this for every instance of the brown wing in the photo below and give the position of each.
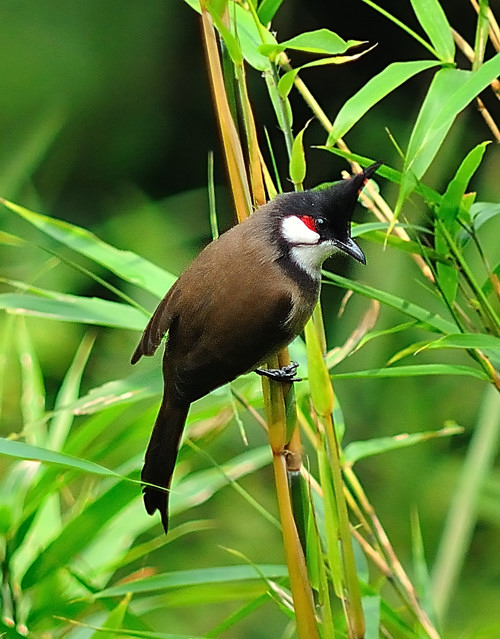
(156, 328)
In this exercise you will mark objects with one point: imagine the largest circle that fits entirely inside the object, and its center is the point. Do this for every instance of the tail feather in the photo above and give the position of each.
(161, 456)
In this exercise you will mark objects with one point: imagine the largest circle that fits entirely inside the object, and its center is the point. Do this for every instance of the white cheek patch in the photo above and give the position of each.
(296, 231)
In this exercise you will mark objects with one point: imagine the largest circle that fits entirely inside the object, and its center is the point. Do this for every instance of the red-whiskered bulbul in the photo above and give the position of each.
(246, 296)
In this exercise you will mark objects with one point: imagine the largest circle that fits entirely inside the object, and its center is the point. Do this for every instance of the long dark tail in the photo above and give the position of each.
(161, 455)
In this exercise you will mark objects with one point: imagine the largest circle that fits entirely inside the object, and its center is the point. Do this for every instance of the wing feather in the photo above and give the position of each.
(156, 328)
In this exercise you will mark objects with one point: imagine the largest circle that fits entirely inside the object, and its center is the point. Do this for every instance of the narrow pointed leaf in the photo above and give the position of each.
(433, 20)
(467, 340)
(138, 386)
(297, 166)
(60, 424)
(448, 214)
(73, 308)
(374, 90)
(355, 451)
(450, 92)
(251, 36)
(322, 41)
(114, 620)
(416, 371)
(20, 450)
(199, 576)
(286, 81)
(80, 532)
(267, 10)
(429, 319)
(125, 264)
(450, 204)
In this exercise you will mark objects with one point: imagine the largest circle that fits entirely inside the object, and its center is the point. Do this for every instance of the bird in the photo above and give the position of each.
(245, 297)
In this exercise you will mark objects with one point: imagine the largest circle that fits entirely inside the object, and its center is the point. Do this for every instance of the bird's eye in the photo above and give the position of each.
(320, 223)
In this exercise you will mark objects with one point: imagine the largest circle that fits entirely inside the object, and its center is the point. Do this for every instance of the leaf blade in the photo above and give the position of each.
(73, 308)
(126, 264)
(373, 92)
(434, 22)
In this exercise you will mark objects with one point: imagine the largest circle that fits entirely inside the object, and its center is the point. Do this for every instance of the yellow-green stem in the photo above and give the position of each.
(299, 582)
(323, 402)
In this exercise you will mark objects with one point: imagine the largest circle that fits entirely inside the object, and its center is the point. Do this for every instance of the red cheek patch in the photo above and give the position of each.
(309, 222)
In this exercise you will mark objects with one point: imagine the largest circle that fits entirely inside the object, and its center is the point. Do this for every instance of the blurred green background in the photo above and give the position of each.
(106, 121)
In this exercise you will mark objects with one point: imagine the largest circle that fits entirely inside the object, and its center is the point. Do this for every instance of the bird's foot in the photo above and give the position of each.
(284, 374)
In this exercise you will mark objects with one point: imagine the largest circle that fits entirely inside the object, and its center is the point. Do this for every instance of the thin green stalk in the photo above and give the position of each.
(482, 30)
(323, 401)
(297, 570)
(214, 227)
(398, 579)
(462, 516)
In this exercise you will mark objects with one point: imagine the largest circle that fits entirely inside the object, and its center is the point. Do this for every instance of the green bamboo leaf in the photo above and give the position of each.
(114, 620)
(422, 579)
(62, 420)
(431, 196)
(377, 232)
(319, 383)
(429, 320)
(139, 634)
(450, 92)
(322, 41)
(194, 4)
(197, 488)
(374, 335)
(286, 81)
(267, 10)
(242, 613)
(467, 340)
(134, 388)
(297, 166)
(464, 93)
(355, 451)
(127, 265)
(449, 210)
(33, 389)
(482, 33)
(482, 212)
(20, 450)
(230, 40)
(12, 240)
(464, 514)
(374, 90)
(433, 20)
(80, 532)
(416, 371)
(426, 140)
(74, 308)
(448, 214)
(201, 576)
(251, 35)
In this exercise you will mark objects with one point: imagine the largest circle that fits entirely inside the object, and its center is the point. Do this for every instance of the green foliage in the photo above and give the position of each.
(78, 552)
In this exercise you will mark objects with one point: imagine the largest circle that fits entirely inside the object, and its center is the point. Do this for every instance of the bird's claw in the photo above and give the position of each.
(284, 374)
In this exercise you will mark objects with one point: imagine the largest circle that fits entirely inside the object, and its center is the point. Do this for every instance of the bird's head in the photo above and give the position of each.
(316, 224)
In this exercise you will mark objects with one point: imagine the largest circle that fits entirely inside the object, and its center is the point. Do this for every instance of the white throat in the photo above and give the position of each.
(307, 251)
(311, 258)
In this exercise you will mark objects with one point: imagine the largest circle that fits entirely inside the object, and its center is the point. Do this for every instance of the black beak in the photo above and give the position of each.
(350, 247)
